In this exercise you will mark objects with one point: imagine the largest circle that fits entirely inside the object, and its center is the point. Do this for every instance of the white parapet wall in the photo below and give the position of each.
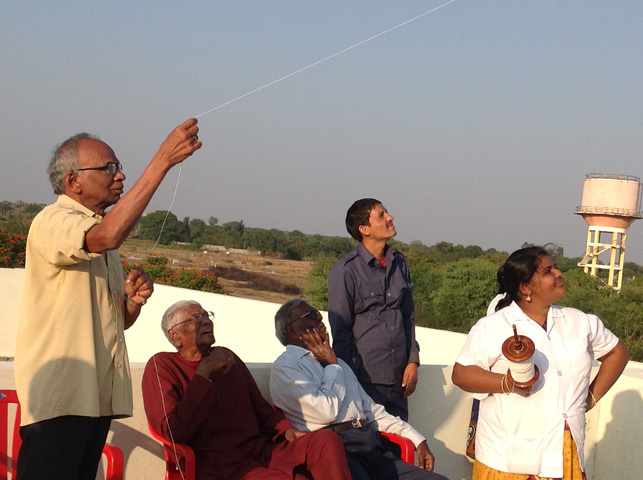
(10, 292)
(438, 409)
(245, 326)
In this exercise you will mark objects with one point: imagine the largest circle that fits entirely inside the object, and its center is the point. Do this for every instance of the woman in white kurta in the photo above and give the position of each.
(536, 431)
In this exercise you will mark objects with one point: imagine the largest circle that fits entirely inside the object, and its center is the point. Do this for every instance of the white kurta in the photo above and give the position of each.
(525, 435)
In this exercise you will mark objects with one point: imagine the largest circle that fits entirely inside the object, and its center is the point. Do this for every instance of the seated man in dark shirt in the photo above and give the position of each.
(205, 397)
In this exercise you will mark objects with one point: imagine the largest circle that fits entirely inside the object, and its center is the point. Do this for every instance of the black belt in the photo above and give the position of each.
(340, 427)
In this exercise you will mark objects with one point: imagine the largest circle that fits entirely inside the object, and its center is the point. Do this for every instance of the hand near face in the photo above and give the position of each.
(138, 286)
(425, 458)
(319, 345)
(219, 360)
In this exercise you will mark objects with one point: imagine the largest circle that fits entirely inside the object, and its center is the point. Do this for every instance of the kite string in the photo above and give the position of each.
(325, 59)
(239, 98)
(167, 421)
(288, 76)
(167, 214)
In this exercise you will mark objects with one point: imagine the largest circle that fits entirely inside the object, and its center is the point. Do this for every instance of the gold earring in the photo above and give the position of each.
(528, 298)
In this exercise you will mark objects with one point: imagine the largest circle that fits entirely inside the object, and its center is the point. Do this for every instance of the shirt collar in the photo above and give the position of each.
(518, 315)
(298, 351)
(516, 312)
(368, 256)
(65, 200)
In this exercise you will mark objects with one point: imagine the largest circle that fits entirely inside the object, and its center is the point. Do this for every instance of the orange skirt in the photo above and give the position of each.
(571, 467)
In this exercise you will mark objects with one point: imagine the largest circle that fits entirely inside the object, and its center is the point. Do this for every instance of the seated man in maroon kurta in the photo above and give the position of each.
(205, 397)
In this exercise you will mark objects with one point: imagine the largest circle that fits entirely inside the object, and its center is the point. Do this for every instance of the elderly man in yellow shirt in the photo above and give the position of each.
(71, 366)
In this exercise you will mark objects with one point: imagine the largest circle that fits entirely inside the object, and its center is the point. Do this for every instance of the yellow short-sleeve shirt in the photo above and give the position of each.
(70, 356)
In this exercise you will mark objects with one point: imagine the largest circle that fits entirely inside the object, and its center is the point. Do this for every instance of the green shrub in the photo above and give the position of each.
(161, 272)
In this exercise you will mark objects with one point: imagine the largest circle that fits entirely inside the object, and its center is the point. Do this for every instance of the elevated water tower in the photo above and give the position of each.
(609, 206)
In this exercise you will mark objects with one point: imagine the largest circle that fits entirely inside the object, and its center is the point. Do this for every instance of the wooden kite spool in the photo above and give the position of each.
(519, 349)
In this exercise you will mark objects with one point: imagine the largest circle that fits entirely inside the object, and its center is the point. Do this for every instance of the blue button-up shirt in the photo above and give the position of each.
(313, 397)
(370, 310)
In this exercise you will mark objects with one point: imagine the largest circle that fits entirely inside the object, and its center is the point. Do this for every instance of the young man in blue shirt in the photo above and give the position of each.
(370, 307)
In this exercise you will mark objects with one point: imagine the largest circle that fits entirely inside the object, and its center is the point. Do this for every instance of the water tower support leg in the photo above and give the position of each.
(595, 242)
(613, 251)
(622, 261)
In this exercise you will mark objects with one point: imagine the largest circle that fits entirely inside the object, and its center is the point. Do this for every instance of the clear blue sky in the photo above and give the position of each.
(475, 124)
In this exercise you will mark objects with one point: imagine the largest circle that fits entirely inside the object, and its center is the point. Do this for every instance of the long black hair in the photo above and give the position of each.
(518, 268)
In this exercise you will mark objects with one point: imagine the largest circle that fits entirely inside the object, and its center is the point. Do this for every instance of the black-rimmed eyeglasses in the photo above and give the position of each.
(196, 318)
(111, 168)
(312, 313)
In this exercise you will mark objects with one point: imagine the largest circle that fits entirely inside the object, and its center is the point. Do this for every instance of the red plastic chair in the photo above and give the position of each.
(178, 458)
(9, 427)
(407, 449)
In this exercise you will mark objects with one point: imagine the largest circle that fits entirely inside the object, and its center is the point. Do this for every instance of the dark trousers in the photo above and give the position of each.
(68, 447)
(391, 397)
(369, 460)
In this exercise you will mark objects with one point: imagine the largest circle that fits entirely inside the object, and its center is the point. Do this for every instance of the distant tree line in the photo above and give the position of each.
(452, 284)
(16, 217)
(293, 245)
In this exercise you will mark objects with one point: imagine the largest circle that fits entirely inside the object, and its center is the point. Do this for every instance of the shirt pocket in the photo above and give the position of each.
(370, 296)
(577, 355)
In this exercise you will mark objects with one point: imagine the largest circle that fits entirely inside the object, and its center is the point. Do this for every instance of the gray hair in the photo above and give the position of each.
(282, 319)
(171, 316)
(65, 159)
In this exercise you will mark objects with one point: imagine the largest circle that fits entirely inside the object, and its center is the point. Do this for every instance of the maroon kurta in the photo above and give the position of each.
(230, 426)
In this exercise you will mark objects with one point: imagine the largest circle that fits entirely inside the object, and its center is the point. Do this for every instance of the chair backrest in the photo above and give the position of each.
(9, 433)
(10, 441)
(180, 463)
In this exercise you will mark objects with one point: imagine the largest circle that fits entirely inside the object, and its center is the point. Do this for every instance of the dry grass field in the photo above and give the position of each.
(290, 273)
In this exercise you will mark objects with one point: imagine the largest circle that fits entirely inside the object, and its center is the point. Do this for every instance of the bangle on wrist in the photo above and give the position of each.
(593, 397)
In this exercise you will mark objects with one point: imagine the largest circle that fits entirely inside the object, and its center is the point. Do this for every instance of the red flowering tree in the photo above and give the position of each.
(12, 249)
